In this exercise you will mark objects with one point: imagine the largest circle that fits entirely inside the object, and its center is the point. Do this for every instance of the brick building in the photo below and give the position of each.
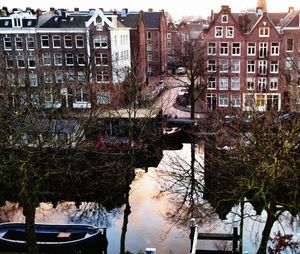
(77, 58)
(246, 67)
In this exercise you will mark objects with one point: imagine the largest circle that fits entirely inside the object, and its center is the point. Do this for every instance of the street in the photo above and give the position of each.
(168, 97)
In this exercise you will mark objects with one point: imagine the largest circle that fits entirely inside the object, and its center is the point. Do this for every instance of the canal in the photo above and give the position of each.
(151, 222)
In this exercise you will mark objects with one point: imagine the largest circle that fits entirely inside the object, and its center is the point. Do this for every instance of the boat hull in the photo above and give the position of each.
(69, 238)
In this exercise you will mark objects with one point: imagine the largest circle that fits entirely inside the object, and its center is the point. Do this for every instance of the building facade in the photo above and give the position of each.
(75, 59)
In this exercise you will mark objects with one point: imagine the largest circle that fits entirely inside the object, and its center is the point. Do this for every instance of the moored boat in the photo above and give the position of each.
(66, 238)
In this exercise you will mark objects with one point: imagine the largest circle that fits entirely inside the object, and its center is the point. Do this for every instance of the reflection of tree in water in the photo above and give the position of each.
(181, 180)
(94, 214)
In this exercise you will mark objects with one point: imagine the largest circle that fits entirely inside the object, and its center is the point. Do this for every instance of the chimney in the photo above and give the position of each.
(115, 12)
(211, 15)
(76, 9)
(291, 9)
(225, 8)
(124, 12)
(38, 13)
(52, 9)
(150, 10)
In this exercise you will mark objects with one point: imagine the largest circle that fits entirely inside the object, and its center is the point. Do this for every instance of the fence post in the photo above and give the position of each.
(235, 240)
(193, 227)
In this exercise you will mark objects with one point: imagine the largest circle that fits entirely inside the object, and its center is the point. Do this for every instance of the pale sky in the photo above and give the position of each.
(177, 8)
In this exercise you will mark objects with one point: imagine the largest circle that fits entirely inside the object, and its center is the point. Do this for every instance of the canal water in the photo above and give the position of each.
(148, 226)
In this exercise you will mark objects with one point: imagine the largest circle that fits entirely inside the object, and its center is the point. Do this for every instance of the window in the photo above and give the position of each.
(7, 43)
(235, 83)
(31, 61)
(56, 41)
(288, 63)
(70, 76)
(229, 32)
(45, 41)
(68, 41)
(69, 59)
(30, 43)
(101, 59)
(218, 31)
(236, 48)
(251, 66)
(48, 96)
(47, 77)
(224, 48)
(289, 44)
(235, 100)
(235, 66)
(81, 59)
(223, 100)
(211, 101)
(224, 19)
(81, 76)
(102, 76)
(103, 98)
(274, 67)
(275, 49)
(272, 102)
(149, 46)
(19, 43)
(273, 83)
(17, 22)
(260, 100)
(9, 61)
(59, 77)
(263, 49)
(251, 49)
(81, 96)
(211, 65)
(249, 100)
(250, 83)
(211, 50)
(58, 59)
(33, 79)
(223, 84)
(46, 59)
(149, 56)
(100, 41)
(262, 84)
(79, 41)
(20, 61)
(149, 35)
(262, 67)
(211, 83)
(223, 65)
(264, 32)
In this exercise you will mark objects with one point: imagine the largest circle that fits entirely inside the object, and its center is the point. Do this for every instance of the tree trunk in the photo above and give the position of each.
(266, 232)
(127, 212)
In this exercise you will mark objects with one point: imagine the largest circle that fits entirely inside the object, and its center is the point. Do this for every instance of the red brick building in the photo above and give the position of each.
(246, 67)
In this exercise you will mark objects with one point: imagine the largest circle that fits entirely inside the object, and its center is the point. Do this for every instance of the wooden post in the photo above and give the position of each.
(235, 240)
(192, 234)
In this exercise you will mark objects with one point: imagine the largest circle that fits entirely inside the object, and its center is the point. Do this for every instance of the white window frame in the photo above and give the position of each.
(103, 98)
(9, 61)
(262, 67)
(235, 83)
(102, 76)
(18, 43)
(68, 40)
(211, 83)
(264, 31)
(223, 100)
(20, 59)
(59, 76)
(262, 85)
(223, 83)
(100, 41)
(236, 50)
(223, 65)
(286, 44)
(224, 19)
(252, 64)
(211, 65)
(56, 39)
(235, 66)
(224, 50)
(58, 56)
(251, 49)
(250, 83)
(45, 40)
(81, 56)
(47, 77)
(79, 38)
(275, 48)
(235, 100)
(274, 66)
(263, 49)
(218, 31)
(229, 32)
(30, 43)
(31, 61)
(273, 86)
(7, 40)
(69, 59)
(47, 56)
(212, 49)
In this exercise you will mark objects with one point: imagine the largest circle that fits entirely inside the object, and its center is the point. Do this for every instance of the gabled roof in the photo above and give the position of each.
(265, 15)
(152, 19)
(291, 20)
(131, 20)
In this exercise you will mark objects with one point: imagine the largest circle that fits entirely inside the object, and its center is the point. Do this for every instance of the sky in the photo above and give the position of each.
(177, 8)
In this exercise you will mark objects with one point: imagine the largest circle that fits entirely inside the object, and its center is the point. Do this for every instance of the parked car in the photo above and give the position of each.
(183, 97)
(181, 70)
(161, 86)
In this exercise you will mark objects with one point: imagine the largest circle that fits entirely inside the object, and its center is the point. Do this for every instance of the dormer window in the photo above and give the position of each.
(224, 19)
(17, 22)
(99, 26)
(6, 23)
(264, 32)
